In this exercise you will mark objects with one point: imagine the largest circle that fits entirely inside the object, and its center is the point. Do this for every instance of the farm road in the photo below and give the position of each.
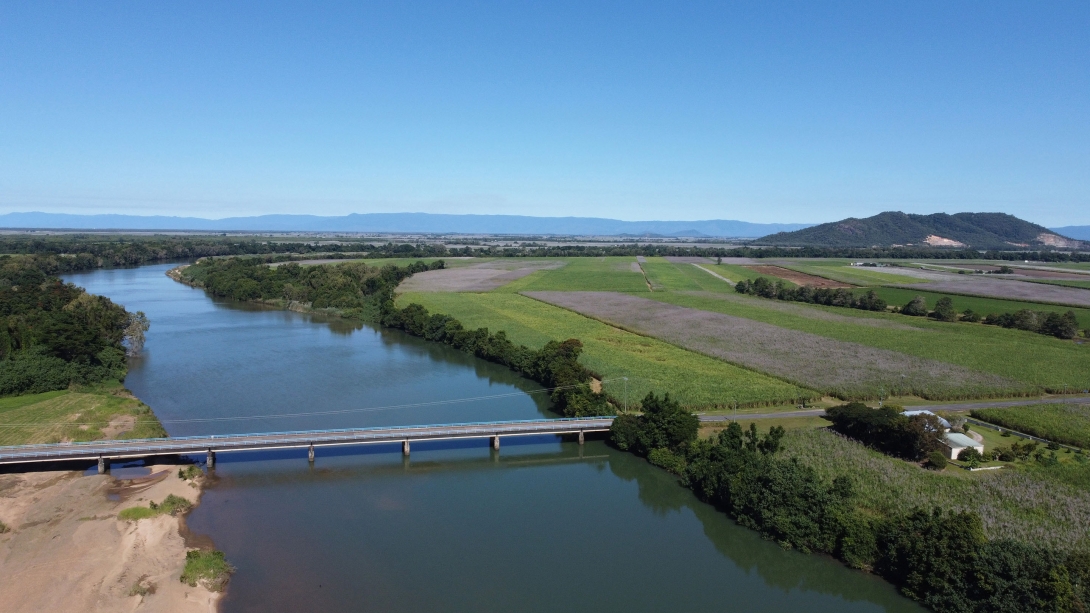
(929, 407)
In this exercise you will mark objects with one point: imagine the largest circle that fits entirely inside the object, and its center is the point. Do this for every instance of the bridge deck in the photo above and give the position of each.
(138, 448)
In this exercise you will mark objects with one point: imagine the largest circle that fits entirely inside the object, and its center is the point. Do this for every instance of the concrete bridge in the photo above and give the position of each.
(104, 451)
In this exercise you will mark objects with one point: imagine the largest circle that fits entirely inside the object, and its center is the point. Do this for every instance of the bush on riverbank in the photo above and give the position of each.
(939, 558)
(207, 568)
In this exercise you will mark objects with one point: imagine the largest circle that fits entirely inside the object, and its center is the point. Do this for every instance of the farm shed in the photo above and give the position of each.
(955, 442)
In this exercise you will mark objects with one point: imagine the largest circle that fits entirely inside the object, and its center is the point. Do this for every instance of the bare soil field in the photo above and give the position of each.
(67, 550)
(844, 369)
(482, 277)
(798, 278)
(1009, 289)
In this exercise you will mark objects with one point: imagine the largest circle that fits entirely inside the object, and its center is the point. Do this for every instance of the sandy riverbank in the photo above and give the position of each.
(67, 551)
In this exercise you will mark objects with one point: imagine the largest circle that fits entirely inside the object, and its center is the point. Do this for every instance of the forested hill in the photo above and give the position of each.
(975, 230)
(54, 334)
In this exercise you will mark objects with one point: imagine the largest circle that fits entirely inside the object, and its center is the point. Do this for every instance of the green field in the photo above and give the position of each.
(983, 306)
(1020, 356)
(613, 274)
(1012, 502)
(696, 380)
(856, 275)
(67, 415)
(668, 276)
(1065, 282)
(1063, 423)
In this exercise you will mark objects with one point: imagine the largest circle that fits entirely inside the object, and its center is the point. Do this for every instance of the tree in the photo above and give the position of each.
(134, 332)
(917, 307)
(944, 310)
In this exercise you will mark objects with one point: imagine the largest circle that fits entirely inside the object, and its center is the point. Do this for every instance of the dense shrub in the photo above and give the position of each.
(917, 307)
(54, 334)
(1043, 322)
(888, 429)
(937, 460)
(938, 558)
(765, 288)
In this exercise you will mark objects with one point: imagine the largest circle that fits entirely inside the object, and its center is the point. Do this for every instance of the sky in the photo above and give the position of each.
(770, 111)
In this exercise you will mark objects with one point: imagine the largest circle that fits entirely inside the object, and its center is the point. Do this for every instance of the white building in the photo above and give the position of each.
(955, 442)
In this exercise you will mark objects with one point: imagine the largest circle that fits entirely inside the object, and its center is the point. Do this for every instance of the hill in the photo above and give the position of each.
(976, 230)
(1080, 232)
(402, 222)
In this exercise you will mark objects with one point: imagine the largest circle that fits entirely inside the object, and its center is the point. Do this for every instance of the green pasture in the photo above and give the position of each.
(670, 276)
(1063, 423)
(606, 274)
(1026, 357)
(982, 305)
(66, 415)
(696, 380)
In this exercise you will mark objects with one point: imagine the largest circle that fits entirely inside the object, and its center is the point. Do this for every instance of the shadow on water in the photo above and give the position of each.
(778, 567)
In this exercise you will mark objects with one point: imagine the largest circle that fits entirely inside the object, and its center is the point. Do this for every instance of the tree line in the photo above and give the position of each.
(1049, 323)
(55, 334)
(358, 290)
(939, 558)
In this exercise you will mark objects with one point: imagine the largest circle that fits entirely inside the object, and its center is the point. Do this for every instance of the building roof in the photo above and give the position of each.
(955, 439)
(945, 424)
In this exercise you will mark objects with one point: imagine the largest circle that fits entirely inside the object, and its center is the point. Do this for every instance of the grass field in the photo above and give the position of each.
(843, 272)
(670, 276)
(1013, 503)
(613, 274)
(843, 369)
(696, 380)
(1063, 423)
(85, 415)
(1026, 357)
(1065, 282)
(983, 306)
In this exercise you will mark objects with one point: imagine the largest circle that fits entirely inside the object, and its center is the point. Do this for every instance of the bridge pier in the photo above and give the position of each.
(103, 465)
(580, 437)
(211, 461)
(310, 453)
(405, 447)
(496, 443)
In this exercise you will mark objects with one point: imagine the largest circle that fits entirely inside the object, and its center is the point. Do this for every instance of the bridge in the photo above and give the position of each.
(104, 451)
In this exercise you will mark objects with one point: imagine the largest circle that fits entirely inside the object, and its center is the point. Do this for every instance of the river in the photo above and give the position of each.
(542, 525)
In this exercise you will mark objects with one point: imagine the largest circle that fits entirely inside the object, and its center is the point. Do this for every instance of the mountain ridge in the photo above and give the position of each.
(891, 228)
(431, 223)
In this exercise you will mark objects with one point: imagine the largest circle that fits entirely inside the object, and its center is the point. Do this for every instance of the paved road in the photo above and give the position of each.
(930, 407)
(190, 445)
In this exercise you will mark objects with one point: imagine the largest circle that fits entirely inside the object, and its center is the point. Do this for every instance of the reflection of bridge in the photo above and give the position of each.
(104, 451)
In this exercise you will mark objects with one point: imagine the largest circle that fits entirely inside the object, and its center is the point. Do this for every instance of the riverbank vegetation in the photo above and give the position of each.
(208, 568)
(82, 413)
(171, 505)
(818, 491)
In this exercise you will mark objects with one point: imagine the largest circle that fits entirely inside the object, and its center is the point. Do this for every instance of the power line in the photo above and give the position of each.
(320, 413)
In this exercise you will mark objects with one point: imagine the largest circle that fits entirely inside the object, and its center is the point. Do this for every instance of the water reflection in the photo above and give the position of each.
(540, 526)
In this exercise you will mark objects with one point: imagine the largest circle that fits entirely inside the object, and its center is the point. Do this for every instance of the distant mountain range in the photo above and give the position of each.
(404, 222)
(977, 230)
(1080, 232)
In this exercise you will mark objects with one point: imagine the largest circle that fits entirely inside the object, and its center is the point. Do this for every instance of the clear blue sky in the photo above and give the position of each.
(789, 112)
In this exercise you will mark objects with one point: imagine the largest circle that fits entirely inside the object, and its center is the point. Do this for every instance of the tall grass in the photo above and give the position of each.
(1023, 504)
(1063, 423)
(69, 415)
